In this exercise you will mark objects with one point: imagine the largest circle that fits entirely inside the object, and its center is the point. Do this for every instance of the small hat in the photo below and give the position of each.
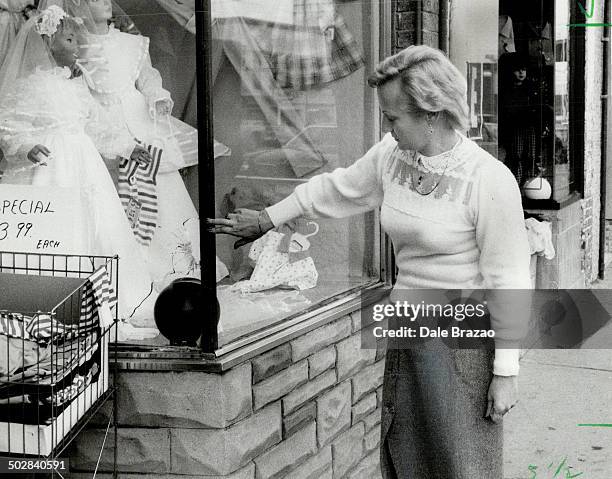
(515, 61)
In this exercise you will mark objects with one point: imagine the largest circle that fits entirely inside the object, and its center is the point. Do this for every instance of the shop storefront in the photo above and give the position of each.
(269, 379)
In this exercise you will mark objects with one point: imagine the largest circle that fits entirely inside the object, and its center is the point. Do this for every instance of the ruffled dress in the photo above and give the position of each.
(118, 70)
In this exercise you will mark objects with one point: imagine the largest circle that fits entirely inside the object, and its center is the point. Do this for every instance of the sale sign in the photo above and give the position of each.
(41, 219)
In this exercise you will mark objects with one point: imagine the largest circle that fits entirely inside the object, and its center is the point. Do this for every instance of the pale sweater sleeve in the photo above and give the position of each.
(504, 261)
(339, 194)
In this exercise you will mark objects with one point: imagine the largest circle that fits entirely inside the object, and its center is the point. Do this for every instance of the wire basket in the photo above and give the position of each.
(57, 315)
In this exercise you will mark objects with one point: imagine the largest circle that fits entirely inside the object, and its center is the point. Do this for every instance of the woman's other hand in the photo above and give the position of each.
(502, 396)
(141, 155)
(39, 154)
(124, 24)
(243, 223)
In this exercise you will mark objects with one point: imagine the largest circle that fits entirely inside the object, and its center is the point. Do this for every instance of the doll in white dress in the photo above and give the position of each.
(118, 70)
(51, 130)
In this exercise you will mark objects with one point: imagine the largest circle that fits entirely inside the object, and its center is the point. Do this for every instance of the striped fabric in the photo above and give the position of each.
(137, 187)
(14, 325)
(43, 327)
(97, 291)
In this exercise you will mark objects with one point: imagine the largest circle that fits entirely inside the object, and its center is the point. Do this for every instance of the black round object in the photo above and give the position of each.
(178, 311)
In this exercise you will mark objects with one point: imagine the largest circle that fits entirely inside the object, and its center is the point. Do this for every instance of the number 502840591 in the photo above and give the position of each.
(20, 230)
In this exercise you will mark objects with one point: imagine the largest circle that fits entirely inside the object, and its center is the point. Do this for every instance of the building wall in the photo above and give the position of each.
(405, 23)
(310, 408)
(592, 145)
(572, 268)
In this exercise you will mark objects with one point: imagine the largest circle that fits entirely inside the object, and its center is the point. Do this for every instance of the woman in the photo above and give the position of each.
(48, 120)
(454, 215)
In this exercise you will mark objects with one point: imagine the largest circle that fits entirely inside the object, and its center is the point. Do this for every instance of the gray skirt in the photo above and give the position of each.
(433, 425)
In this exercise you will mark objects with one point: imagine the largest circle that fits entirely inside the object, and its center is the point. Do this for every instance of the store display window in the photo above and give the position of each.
(521, 67)
(133, 120)
(290, 101)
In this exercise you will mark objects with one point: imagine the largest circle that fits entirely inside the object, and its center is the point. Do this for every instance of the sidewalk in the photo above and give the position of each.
(560, 389)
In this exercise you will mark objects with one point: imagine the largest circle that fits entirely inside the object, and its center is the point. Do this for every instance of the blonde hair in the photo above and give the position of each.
(429, 81)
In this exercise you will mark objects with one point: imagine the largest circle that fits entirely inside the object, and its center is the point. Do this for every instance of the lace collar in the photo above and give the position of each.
(62, 72)
(111, 34)
(444, 161)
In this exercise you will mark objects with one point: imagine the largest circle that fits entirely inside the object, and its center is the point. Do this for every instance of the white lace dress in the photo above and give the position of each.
(48, 108)
(121, 78)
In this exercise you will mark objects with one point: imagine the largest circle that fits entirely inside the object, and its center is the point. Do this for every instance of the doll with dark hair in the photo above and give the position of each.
(518, 118)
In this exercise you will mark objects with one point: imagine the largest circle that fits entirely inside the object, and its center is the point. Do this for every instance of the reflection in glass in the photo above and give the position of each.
(562, 180)
(120, 122)
(474, 53)
(526, 76)
(288, 101)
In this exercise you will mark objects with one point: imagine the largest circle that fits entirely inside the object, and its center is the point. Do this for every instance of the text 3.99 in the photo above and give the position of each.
(21, 230)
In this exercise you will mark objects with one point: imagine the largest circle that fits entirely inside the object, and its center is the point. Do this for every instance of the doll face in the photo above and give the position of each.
(101, 10)
(65, 45)
(520, 74)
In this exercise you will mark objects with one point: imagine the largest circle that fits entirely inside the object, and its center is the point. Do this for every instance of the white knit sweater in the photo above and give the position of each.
(469, 233)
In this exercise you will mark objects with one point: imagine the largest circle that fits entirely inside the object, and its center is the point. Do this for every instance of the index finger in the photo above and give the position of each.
(45, 150)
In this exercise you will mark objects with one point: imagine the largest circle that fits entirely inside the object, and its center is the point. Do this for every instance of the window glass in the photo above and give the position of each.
(527, 69)
(116, 131)
(290, 101)
(562, 179)
(474, 52)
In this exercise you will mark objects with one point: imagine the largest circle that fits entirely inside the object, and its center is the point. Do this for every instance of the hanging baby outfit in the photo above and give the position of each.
(318, 49)
(537, 40)
(315, 49)
(137, 188)
(506, 35)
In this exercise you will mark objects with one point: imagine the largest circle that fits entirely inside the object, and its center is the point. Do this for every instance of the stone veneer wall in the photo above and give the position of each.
(608, 253)
(309, 408)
